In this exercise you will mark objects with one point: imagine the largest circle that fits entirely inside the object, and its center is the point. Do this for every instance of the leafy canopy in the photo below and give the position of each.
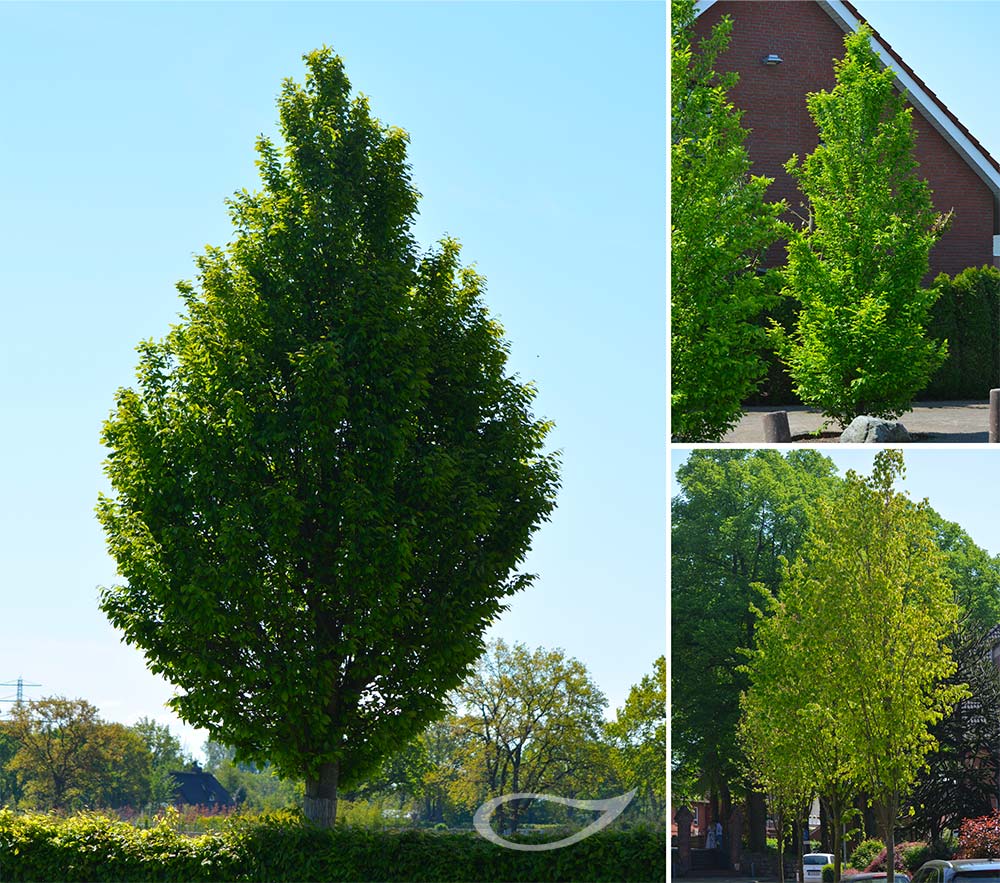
(737, 515)
(325, 480)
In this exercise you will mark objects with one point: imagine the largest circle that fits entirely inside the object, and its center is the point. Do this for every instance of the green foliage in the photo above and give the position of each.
(639, 734)
(828, 874)
(959, 779)
(11, 788)
(853, 663)
(737, 515)
(860, 343)
(325, 479)
(531, 720)
(68, 758)
(864, 853)
(719, 227)
(915, 856)
(283, 847)
(165, 756)
(967, 315)
(95, 848)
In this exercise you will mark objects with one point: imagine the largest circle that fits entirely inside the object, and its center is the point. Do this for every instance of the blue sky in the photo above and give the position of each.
(537, 139)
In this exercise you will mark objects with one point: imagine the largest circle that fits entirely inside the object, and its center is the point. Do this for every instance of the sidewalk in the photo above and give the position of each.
(928, 421)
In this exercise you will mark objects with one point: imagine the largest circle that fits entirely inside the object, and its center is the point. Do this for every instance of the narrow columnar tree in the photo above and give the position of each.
(856, 266)
(720, 224)
(326, 480)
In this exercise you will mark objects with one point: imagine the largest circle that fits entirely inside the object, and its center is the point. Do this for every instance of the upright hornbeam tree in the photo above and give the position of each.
(856, 266)
(325, 480)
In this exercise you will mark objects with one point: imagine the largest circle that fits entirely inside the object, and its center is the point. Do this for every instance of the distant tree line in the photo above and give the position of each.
(523, 721)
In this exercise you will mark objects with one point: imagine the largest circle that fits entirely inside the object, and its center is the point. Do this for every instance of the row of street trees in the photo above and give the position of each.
(855, 259)
(849, 664)
(823, 628)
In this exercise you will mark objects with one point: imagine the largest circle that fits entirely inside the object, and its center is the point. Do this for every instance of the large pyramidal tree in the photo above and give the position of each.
(325, 479)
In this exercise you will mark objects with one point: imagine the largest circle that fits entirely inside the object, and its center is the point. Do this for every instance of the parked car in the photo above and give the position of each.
(964, 870)
(898, 877)
(812, 866)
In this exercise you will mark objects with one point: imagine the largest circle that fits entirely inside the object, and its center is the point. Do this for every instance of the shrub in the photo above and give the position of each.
(866, 851)
(878, 863)
(283, 846)
(828, 873)
(915, 856)
(979, 837)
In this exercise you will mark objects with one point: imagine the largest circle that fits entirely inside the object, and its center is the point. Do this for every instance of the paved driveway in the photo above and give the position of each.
(931, 421)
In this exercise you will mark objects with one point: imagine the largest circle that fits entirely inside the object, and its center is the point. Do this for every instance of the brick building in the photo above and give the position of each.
(806, 35)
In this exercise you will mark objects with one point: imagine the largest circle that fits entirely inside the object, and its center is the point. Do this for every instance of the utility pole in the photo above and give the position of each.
(20, 683)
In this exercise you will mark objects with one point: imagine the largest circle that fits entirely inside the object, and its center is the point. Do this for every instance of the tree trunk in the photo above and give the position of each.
(321, 795)
(887, 810)
(824, 828)
(757, 821)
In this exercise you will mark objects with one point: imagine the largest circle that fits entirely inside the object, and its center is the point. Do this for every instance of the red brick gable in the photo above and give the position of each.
(808, 35)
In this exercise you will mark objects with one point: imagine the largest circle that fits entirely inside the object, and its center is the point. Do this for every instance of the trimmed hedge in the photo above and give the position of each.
(284, 847)
(968, 315)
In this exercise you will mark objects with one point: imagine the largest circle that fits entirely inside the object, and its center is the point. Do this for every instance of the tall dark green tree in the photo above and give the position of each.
(325, 480)
(860, 343)
(960, 778)
(737, 514)
(720, 225)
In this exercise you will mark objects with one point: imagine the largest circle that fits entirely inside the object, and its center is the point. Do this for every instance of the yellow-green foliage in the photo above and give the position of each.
(283, 846)
(94, 847)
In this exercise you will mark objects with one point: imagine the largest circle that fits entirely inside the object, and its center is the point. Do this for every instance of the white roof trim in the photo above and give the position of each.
(919, 98)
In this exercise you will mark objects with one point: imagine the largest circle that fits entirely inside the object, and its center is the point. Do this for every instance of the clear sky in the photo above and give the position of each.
(537, 139)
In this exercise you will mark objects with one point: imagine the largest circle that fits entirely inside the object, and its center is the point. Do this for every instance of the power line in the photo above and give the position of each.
(20, 683)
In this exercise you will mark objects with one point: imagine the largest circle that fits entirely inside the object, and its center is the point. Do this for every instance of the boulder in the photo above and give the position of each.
(865, 430)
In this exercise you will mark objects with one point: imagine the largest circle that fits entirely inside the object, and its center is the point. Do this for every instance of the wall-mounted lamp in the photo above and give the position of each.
(773, 58)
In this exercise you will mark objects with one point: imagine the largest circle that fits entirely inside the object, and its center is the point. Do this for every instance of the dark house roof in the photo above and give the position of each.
(199, 789)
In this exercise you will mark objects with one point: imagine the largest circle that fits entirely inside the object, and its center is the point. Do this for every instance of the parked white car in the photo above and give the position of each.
(812, 866)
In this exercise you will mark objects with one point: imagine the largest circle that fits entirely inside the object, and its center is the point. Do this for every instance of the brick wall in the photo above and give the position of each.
(773, 101)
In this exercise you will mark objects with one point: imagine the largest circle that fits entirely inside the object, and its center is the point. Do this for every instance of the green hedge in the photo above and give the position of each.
(968, 315)
(284, 847)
